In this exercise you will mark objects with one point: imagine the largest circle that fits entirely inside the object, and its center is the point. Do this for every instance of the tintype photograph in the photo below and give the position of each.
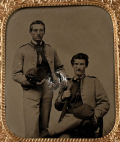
(60, 72)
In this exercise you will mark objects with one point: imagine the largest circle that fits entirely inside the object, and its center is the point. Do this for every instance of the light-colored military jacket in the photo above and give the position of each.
(92, 93)
(26, 58)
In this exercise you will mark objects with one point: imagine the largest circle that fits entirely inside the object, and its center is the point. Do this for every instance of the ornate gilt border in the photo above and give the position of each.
(7, 7)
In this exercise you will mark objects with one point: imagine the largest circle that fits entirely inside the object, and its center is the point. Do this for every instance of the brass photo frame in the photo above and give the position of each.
(7, 7)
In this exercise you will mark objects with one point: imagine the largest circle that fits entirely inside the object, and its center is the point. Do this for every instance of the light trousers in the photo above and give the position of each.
(67, 123)
(36, 106)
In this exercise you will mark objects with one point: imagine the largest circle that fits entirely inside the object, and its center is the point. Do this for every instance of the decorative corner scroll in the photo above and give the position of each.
(7, 7)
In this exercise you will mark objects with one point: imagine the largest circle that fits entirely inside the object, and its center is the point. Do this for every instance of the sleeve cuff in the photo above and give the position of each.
(98, 113)
(26, 82)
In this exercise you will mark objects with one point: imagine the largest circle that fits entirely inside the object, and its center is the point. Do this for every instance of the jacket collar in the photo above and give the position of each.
(75, 79)
(34, 43)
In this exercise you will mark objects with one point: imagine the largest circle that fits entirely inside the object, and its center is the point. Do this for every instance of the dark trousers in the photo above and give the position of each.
(72, 127)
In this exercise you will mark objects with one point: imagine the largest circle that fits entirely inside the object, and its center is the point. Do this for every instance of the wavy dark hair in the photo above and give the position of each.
(80, 56)
(36, 22)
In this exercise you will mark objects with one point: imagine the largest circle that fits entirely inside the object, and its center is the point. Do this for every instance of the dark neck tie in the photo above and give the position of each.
(78, 93)
(40, 51)
(38, 44)
(75, 91)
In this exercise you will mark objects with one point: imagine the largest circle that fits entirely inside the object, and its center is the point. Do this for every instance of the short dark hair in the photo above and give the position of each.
(36, 22)
(80, 56)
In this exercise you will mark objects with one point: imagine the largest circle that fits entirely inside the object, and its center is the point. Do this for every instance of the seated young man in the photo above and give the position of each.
(83, 104)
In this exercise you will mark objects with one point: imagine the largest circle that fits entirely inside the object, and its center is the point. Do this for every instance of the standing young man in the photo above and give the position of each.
(37, 98)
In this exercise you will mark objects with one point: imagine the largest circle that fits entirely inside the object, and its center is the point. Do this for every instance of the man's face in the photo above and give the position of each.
(37, 32)
(79, 67)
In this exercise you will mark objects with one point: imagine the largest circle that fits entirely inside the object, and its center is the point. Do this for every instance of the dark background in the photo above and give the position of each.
(70, 30)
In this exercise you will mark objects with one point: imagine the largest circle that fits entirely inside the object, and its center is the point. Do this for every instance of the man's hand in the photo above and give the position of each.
(27, 85)
(35, 75)
(31, 78)
(66, 94)
(40, 83)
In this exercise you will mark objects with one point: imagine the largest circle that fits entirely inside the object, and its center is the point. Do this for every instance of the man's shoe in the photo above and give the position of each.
(44, 134)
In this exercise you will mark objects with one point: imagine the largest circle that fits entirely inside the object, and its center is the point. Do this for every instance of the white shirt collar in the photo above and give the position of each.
(75, 78)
